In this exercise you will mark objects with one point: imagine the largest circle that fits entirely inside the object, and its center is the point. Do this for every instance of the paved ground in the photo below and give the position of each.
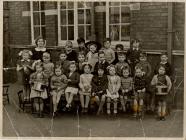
(72, 125)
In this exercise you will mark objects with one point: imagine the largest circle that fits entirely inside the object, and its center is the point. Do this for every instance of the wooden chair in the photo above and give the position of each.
(6, 92)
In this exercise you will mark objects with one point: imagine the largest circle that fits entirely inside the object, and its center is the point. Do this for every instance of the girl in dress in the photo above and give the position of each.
(38, 82)
(85, 87)
(81, 60)
(114, 83)
(72, 86)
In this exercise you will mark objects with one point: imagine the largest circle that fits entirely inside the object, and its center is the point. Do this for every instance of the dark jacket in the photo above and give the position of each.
(74, 79)
(99, 83)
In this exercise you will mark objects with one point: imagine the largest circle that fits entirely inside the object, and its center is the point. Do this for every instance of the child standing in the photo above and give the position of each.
(71, 54)
(121, 64)
(161, 79)
(85, 87)
(81, 60)
(109, 53)
(101, 62)
(114, 83)
(72, 86)
(81, 45)
(63, 62)
(119, 48)
(126, 87)
(133, 54)
(92, 55)
(139, 92)
(58, 84)
(24, 69)
(99, 87)
(38, 82)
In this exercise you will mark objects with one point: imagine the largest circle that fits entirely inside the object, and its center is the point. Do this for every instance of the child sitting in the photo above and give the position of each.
(38, 82)
(121, 64)
(109, 53)
(114, 83)
(99, 86)
(72, 86)
(101, 62)
(81, 60)
(81, 45)
(126, 87)
(24, 69)
(85, 87)
(92, 55)
(119, 48)
(139, 92)
(133, 54)
(161, 79)
(58, 84)
(71, 54)
(63, 62)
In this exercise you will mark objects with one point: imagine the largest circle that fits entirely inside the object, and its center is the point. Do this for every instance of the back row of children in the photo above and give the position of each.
(98, 73)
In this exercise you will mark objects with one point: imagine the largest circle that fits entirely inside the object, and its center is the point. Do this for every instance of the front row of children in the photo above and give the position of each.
(106, 84)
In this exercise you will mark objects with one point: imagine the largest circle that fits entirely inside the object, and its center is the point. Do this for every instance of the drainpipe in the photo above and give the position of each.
(170, 31)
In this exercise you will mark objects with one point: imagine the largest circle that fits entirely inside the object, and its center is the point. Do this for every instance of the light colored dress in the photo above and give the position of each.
(109, 55)
(85, 84)
(92, 59)
(114, 84)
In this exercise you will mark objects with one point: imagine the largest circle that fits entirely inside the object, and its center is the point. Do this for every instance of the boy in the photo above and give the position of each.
(71, 54)
(81, 45)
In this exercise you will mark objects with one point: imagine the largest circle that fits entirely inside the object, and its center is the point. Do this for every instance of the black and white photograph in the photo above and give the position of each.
(89, 69)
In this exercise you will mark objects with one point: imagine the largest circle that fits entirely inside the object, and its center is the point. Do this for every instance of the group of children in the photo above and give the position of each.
(97, 74)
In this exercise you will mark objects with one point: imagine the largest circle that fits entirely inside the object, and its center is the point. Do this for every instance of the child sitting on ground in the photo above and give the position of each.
(114, 83)
(58, 84)
(139, 93)
(126, 87)
(121, 64)
(85, 87)
(99, 86)
(24, 69)
(163, 81)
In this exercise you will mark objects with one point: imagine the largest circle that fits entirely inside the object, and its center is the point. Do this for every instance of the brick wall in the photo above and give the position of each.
(19, 26)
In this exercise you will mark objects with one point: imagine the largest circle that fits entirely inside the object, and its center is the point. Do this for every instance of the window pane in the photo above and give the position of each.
(80, 16)
(35, 6)
(42, 6)
(63, 18)
(63, 33)
(36, 18)
(114, 15)
(125, 14)
(125, 3)
(42, 18)
(70, 17)
(125, 33)
(88, 17)
(70, 32)
(88, 4)
(43, 32)
(63, 5)
(114, 32)
(81, 31)
(80, 4)
(36, 32)
(114, 3)
(70, 5)
(88, 32)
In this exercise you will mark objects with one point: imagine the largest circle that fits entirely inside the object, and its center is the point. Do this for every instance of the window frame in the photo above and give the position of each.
(114, 43)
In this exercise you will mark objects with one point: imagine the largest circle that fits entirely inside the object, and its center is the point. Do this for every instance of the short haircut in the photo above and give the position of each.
(69, 43)
(81, 53)
(101, 52)
(80, 40)
(164, 53)
(62, 52)
(46, 54)
(121, 54)
(119, 46)
(107, 39)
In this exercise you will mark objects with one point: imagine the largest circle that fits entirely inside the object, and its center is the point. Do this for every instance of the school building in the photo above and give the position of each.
(159, 26)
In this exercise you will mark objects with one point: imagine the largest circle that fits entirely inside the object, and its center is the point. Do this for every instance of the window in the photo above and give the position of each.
(74, 20)
(37, 19)
(118, 22)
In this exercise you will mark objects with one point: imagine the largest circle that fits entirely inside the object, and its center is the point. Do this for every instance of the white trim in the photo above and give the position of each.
(32, 22)
(107, 19)
(75, 21)
(59, 20)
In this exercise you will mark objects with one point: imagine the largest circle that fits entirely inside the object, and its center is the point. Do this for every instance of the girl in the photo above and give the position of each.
(24, 69)
(118, 48)
(126, 87)
(81, 60)
(139, 92)
(72, 86)
(99, 86)
(63, 62)
(114, 83)
(161, 79)
(85, 87)
(109, 53)
(81, 45)
(71, 54)
(92, 55)
(58, 85)
(39, 82)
